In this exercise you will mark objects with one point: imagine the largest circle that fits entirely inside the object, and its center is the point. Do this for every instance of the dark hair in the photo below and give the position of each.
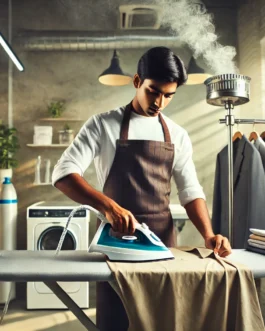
(160, 63)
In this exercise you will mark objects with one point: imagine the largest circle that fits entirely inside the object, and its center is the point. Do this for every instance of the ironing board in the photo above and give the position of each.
(71, 266)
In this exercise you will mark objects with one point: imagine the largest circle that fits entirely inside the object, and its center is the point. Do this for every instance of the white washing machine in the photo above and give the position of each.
(45, 223)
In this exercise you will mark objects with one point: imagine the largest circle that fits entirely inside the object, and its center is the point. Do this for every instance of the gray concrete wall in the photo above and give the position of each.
(72, 76)
(3, 64)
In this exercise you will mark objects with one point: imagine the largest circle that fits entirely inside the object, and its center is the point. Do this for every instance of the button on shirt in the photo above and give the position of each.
(97, 141)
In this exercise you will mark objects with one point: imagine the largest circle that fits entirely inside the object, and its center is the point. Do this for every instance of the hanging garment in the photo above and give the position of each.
(197, 291)
(139, 180)
(260, 145)
(249, 192)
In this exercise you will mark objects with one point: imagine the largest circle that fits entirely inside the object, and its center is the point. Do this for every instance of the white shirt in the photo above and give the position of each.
(97, 141)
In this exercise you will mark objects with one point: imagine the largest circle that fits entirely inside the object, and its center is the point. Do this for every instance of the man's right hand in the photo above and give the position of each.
(77, 188)
(121, 220)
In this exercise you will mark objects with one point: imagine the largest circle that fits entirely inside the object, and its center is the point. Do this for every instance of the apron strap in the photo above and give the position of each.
(126, 120)
(165, 129)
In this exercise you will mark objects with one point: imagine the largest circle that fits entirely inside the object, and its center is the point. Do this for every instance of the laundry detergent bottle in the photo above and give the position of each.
(8, 227)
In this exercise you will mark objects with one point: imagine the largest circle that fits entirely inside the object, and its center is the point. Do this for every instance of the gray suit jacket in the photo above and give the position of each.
(260, 145)
(249, 192)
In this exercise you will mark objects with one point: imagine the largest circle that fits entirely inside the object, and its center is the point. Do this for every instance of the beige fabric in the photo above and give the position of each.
(197, 291)
(253, 236)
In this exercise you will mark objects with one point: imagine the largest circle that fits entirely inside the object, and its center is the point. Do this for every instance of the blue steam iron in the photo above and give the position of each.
(143, 246)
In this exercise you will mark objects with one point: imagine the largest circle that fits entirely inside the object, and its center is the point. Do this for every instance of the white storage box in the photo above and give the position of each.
(42, 135)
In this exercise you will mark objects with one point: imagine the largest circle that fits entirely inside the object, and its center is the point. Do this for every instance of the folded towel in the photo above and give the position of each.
(256, 245)
(253, 236)
(253, 241)
(258, 232)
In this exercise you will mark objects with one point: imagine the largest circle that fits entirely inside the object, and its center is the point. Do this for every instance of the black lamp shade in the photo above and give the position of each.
(114, 76)
(196, 74)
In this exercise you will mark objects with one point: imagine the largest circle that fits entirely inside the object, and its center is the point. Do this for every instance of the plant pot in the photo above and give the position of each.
(66, 136)
(5, 173)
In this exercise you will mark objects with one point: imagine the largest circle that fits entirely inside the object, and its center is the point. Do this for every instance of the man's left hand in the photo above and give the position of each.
(219, 244)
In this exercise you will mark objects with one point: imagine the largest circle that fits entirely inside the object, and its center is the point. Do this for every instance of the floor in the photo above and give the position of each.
(18, 318)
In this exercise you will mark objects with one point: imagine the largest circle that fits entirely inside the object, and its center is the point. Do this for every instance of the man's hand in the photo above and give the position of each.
(77, 188)
(121, 220)
(219, 244)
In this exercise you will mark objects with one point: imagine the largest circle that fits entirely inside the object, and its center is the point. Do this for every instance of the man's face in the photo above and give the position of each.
(153, 96)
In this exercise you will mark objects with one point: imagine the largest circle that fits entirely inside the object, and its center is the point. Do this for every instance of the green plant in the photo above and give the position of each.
(56, 108)
(8, 146)
(66, 127)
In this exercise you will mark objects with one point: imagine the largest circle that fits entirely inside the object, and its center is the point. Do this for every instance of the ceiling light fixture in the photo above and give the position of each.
(114, 76)
(11, 53)
(196, 74)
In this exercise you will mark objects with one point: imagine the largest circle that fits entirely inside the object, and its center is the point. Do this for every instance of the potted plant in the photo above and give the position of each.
(8, 146)
(66, 136)
(56, 108)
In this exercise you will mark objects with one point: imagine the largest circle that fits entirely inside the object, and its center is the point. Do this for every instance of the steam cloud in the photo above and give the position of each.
(196, 29)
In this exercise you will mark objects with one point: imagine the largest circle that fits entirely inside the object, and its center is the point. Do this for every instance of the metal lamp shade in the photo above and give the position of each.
(114, 76)
(196, 75)
(225, 88)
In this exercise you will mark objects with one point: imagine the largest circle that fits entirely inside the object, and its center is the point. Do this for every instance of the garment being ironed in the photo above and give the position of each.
(139, 181)
(194, 292)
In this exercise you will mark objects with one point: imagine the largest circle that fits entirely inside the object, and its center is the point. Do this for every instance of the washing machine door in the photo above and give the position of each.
(49, 239)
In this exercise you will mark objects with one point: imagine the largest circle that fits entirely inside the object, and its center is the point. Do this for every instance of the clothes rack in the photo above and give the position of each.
(230, 121)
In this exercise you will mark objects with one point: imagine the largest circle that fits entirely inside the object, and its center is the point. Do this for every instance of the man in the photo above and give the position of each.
(136, 150)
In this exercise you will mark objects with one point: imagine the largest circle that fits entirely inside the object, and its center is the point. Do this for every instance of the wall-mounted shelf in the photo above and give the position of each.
(48, 146)
(42, 184)
(61, 119)
(30, 185)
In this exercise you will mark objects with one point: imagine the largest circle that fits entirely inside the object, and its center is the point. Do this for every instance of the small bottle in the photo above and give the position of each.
(47, 172)
(8, 229)
(37, 171)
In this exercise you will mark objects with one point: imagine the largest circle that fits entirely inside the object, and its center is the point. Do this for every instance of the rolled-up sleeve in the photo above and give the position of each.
(79, 155)
(184, 173)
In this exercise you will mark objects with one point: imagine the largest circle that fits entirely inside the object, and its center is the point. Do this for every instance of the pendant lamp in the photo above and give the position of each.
(114, 76)
(196, 75)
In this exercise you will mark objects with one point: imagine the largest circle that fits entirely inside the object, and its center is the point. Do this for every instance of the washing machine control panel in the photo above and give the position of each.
(55, 213)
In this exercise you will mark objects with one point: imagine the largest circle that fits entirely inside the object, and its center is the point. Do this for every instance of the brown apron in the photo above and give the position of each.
(139, 181)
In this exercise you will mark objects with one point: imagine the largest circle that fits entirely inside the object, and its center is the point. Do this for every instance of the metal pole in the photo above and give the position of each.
(244, 121)
(10, 69)
(230, 121)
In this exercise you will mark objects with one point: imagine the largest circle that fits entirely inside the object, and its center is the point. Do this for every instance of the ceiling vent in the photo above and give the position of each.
(137, 17)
